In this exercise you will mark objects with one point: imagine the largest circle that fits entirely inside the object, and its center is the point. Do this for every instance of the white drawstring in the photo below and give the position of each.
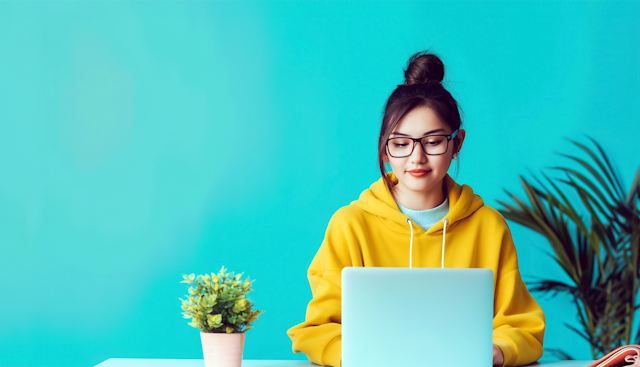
(410, 243)
(444, 233)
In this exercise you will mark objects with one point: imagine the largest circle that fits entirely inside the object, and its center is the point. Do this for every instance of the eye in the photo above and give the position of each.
(400, 143)
(433, 141)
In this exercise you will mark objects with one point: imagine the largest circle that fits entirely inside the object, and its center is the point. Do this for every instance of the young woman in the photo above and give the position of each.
(416, 215)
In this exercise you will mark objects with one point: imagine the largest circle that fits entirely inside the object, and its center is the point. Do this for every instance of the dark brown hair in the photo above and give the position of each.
(422, 88)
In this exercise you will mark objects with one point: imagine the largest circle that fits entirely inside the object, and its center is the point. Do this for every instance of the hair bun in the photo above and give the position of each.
(424, 68)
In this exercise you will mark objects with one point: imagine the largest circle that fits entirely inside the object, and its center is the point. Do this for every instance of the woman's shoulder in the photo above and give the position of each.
(490, 216)
(349, 214)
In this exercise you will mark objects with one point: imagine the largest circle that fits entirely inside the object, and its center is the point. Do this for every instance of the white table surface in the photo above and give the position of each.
(140, 362)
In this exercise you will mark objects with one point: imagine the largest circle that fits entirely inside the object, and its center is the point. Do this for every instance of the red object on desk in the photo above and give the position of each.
(625, 356)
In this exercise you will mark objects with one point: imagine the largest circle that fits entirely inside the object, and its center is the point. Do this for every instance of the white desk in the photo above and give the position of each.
(140, 362)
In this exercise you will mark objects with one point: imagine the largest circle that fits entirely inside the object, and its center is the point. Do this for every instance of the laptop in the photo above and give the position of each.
(428, 317)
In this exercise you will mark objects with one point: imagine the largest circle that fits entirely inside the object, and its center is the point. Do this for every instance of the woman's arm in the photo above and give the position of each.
(518, 320)
(320, 335)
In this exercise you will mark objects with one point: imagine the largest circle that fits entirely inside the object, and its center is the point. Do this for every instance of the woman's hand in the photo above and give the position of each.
(498, 357)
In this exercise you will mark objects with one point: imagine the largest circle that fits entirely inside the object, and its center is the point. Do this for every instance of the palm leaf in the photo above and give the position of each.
(600, 254)
(594, 189)
(634, 192)
(606, 169)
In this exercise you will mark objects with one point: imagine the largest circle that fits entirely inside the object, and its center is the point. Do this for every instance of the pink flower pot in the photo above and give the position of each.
(222, 349)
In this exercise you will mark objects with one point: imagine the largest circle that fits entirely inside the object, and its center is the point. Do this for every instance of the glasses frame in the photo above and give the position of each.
(419, 140)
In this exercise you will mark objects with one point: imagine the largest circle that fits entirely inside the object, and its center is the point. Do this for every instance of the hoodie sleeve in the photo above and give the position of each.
(320, 335)
(518, 321)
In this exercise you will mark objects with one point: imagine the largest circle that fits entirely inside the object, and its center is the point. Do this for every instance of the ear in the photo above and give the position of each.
(459, 139)
(385, 157)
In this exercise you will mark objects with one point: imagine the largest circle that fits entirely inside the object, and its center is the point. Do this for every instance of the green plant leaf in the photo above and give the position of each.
(600, 254)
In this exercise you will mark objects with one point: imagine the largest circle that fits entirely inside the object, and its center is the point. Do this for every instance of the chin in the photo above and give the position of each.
(419, 186)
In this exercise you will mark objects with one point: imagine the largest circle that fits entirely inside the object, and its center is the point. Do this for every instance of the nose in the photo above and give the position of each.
(418, 155)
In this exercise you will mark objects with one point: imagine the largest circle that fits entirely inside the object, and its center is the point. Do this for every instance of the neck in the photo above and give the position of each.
(419, 200)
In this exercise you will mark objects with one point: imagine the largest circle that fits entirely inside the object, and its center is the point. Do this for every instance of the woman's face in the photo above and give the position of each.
(419, 173)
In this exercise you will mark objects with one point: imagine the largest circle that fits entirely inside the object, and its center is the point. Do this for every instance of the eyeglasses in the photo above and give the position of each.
(431, 145)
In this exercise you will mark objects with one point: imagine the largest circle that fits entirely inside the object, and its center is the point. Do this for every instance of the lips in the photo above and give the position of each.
(418, 172)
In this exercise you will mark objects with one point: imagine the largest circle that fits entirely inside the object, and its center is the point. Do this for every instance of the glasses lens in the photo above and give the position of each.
(435, 145)
(400, 147)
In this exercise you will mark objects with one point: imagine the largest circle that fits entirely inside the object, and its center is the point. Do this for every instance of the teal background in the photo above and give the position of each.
(143, 140)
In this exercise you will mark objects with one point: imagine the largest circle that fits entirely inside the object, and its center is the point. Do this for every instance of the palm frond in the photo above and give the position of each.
(634, 192)
(599, 251)
(606, 167)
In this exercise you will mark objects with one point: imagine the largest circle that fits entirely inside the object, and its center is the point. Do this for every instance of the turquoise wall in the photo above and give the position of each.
(142, 140)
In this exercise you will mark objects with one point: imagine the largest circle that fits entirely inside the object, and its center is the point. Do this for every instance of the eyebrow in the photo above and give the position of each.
(425, 134)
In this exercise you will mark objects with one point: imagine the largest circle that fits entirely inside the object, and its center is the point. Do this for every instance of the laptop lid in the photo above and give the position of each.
(417, 317)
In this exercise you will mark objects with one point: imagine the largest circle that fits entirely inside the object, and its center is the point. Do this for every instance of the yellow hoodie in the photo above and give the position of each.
(372, 231)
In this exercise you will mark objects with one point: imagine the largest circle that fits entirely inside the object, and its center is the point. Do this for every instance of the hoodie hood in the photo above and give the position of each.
(377, 200)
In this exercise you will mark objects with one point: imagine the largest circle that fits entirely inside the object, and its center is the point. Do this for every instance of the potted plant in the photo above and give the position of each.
(596, 241)
(219, 308)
